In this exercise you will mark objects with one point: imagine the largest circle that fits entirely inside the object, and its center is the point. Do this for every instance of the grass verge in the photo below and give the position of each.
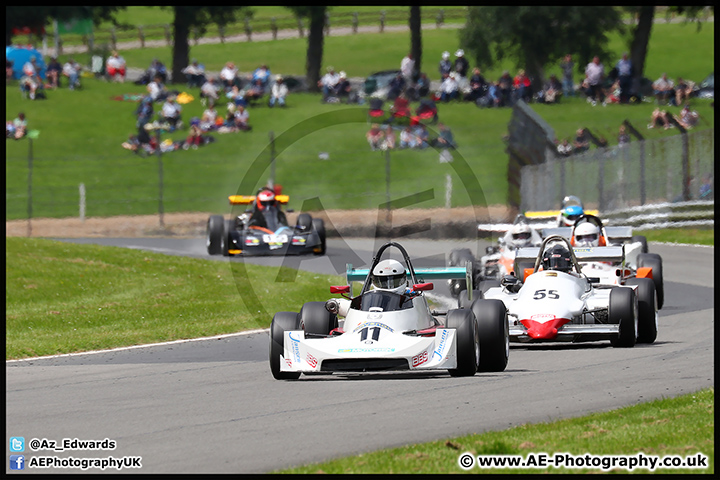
(63, 298)
(682, 426)
(698, 236)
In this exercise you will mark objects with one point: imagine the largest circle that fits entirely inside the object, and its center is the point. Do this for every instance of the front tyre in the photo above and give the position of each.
(319, 226)
(315, 319)
(654, 261)
(215, 234)
(282, 322)
(467, 341)
(494, 332)
(622, 311)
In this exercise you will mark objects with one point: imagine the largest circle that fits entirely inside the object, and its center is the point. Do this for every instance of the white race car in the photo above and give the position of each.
(389, 327)
(589, 230)
(560, 303)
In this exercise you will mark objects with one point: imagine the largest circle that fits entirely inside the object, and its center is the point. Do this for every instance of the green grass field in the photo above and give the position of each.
(81, 133)
(682, 426)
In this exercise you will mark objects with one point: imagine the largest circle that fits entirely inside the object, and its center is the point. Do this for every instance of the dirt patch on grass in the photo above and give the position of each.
(454, 222)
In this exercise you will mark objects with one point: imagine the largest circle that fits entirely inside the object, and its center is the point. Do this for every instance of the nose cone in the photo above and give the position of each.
(544, 330)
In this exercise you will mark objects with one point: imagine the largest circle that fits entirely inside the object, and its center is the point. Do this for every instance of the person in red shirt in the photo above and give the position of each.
(521, 86)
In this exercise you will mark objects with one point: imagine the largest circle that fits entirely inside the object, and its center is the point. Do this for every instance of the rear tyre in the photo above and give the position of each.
(463, 301)
(315, 319)
(494, 332)
(319, 226)
(654, 261)
(458, 258)
(641, 239)
(622, 312)
(647, 311)
(467, 341)
(215, 227)
(282, 322)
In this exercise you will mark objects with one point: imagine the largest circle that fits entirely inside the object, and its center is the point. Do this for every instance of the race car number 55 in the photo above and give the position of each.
(540, 294)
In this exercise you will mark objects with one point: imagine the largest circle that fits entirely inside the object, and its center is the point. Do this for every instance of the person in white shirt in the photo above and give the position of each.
(114, 66)
(156, 89)
(228, 75)
(71, 69)
(30, 67)
(278, 93)
(171, 112)
(407, 66)
(449, 88)
(594, 75)
(329, 82)
(241, 118)
(663, 88)
(209, 90)
(195, 74)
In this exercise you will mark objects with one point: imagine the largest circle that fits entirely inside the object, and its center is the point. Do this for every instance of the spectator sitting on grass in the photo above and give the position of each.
(30, 85)
(449, 88)
(343, 87)
(263, 74)
(115, 66)
(659, 118)
(71, 70)
(255, 92)
(445, 138)
(53, 71)
(553, 90)
(581, 142)
(209, 91)
(157, 90)
(195, 74)
(687, 118)
(328, 83)
(171, 113)
(662, 87)
(241, 117)
(408, 138)
(564, 148)
(209, 118)
(375, 136)
(683, 90)
(278, 93)
(421, 133)
(389, 142)
(17, 128)
(623, 136)
(228, 76)
(194, 138)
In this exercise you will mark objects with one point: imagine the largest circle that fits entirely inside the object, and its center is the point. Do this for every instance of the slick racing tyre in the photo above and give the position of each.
(319, 226)
(214, 234)
(227, 239)
(654, 261)
(467, 341)
(282, 322)
(622, 311)
(315, 319)
(458, 258)
(494, 332)
(647, 310)
(641, 239)
(463, 301)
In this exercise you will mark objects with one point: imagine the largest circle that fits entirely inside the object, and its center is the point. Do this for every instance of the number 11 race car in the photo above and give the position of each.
(389, 326)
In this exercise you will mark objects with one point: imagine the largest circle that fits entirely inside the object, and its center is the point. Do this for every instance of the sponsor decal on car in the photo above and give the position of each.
(441, 345)
(252, 241)
(363, 350)
(420, 358)
(551, 274)
(295, 347)
(299, 240)
(275, 239)
(312, 361)
(370, 325)
(539, 317)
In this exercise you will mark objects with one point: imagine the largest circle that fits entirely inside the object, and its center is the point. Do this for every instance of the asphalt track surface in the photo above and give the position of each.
(212, 406)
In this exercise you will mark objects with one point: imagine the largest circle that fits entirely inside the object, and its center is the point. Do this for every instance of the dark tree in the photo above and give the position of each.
(316, 39)
(416, 37)
(188, 18)
(535, 36)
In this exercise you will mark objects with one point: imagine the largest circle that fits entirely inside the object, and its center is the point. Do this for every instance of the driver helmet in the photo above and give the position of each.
(389, 276)
(557, 258)
(587, 235)
(265, 198)
(569, 214)
(521, 235)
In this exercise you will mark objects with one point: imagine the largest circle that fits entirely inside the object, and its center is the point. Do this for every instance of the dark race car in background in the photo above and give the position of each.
(263, 229)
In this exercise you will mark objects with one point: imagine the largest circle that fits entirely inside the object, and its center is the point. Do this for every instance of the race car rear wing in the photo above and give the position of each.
(422, 274)
(614, 234)
(525, 257)
(248, 199)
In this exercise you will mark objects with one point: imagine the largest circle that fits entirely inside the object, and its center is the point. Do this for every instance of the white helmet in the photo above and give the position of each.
(521, 235)
(389, 275)
(587, 235)
(446, 55)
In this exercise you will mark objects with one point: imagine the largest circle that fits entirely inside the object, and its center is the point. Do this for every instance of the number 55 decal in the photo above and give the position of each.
(540, 294)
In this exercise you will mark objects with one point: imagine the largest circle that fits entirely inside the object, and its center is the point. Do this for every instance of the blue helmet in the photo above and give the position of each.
(569, 214)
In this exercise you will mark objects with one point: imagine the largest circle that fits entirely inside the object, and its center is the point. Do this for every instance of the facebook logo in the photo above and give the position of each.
(17, 444)
(17, 462)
